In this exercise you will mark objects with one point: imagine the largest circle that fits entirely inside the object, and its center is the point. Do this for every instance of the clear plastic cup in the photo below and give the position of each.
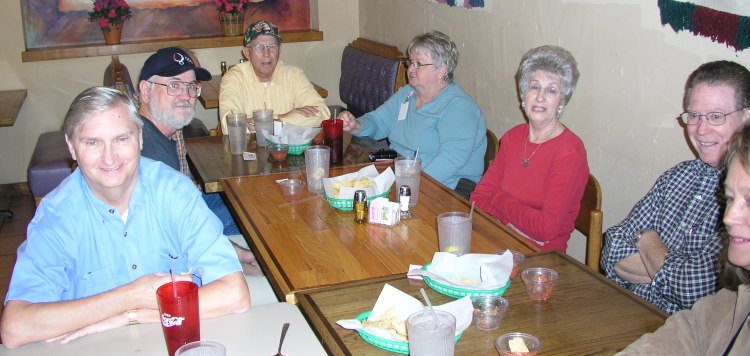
(202, 348)
(431, 333)
(292, 189)
(317, 162)
(488, 311)
(506, 345)
(539, 282)
(454, 232)
(409, 172)
(237, 127)
(263, 120)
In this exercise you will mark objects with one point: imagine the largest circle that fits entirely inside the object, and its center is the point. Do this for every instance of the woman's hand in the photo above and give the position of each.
(350, 122)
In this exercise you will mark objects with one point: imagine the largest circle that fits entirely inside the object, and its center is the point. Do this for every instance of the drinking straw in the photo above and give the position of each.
(174, 285)
(429, 305)
(471, 212)
(415, 156)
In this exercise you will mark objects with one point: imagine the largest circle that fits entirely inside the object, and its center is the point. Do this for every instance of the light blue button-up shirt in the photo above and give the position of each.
(77, 246)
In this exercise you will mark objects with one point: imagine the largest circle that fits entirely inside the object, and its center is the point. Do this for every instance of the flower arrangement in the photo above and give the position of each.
(232, 6)
(109, 13)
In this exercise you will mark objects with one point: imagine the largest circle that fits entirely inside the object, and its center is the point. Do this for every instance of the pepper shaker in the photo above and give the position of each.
(404, 195)
(223, 67)
(360, 206)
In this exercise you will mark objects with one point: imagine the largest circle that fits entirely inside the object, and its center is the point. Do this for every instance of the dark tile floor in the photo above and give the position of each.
(12, 234)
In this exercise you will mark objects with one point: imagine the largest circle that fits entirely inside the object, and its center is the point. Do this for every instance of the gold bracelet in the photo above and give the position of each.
(132, 316)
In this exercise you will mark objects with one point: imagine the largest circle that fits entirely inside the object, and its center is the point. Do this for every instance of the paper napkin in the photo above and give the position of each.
(294, 135)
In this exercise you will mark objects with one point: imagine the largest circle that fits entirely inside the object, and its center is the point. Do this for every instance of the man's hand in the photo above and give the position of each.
(652, 251)
(306, 111)
(143, 289)
(632, 269)
(350, 122)
(104, 325)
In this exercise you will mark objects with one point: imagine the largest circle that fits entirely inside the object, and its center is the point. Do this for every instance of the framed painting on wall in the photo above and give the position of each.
(61, 23)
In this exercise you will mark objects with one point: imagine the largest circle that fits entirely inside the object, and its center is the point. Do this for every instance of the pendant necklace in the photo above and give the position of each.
(526, 161)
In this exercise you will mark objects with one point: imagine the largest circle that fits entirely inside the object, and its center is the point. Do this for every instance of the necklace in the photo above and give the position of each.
(526, 161)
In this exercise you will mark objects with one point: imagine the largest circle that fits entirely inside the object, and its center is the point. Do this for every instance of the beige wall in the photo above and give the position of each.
(52, 85)
(632, 73)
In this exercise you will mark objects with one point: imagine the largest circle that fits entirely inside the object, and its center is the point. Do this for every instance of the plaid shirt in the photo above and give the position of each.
(684, 207)
(182, 153)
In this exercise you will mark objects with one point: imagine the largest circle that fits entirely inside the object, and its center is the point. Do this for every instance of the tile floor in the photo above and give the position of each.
(12, 234)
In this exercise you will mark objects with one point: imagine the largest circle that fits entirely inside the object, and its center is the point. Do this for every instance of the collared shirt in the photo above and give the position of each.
(242, 92)
(449, 131)
(78, 246)
(684, 207)
(179, 140)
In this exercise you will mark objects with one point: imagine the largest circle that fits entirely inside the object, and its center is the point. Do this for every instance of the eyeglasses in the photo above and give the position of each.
(415, 64)
(547, 90)
(176, 87)
(273, 48)
(713, 118)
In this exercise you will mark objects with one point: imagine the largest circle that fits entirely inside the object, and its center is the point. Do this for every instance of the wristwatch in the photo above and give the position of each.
(132, 316)
(637, 237)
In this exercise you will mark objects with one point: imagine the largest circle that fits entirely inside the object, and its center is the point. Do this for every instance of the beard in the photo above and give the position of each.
(176, 117)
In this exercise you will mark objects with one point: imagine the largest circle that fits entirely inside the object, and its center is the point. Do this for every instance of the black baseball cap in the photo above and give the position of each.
(171, 61)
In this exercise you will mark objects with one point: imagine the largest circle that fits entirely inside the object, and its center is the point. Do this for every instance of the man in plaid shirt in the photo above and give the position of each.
(666, 250)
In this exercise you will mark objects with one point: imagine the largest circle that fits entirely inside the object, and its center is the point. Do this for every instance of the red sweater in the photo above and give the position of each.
(540, 201)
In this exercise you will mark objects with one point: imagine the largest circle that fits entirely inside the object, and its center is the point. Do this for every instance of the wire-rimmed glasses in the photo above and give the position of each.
(176, 87)
(259, 48)
(416, 64)
(713, 118)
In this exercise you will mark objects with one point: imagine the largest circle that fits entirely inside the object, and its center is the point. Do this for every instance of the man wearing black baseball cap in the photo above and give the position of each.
(266, 82)
(169, 86)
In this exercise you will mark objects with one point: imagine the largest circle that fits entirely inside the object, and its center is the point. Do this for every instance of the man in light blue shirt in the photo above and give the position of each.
(103, 241)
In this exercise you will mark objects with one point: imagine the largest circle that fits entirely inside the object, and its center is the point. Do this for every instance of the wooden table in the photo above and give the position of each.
(211, 159)
(10, 104)
(309, 244)
(210, 92)
(254, 332)
(586, 315)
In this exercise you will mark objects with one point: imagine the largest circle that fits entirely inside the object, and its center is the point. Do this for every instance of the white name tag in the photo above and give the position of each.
(404, 109)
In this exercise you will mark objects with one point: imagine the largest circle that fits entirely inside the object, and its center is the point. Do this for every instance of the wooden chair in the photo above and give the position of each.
(493, 145)
(589, 221)
(117, 76)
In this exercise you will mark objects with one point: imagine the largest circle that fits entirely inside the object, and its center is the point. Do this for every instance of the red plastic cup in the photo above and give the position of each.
(333, 137)
(178, 307)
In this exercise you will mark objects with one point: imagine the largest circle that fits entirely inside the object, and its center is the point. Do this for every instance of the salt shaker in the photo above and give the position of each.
(360, 206)
(223, 67)
(404, 194)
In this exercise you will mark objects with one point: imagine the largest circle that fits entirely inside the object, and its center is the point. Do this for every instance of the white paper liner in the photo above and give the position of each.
(470, 271)
(381, 182)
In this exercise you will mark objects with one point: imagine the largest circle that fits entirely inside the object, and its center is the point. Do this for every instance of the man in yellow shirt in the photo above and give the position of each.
(266, 82)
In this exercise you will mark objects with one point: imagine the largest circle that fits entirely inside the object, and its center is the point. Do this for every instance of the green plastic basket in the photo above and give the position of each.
(401, 347)
(456, 292)
(347, 205)
(296, 149)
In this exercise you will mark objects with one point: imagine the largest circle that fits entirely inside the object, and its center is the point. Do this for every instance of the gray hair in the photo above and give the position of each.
(721, 73)
(551, 59)
(440, 47)
(95, 100)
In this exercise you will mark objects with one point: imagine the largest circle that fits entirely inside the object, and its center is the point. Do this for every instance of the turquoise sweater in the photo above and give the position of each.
(450, 132)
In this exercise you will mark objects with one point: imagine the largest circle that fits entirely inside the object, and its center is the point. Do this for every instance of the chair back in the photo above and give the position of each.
(493, 145)
(589, 221)
(117, 76)
(370, 73)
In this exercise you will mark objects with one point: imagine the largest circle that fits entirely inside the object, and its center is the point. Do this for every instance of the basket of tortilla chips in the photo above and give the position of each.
(339, 191)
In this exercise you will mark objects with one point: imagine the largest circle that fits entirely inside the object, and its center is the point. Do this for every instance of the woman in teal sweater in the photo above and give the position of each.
(432, 113)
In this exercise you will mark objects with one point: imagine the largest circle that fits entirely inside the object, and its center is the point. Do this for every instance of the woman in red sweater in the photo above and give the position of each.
(536, 181)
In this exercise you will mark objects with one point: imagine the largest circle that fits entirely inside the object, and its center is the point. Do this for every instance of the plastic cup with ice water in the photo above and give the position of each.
(409, 172)
(237, 127)
(317, 161)
(263, 121)
(431, 333)
(454, 232)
